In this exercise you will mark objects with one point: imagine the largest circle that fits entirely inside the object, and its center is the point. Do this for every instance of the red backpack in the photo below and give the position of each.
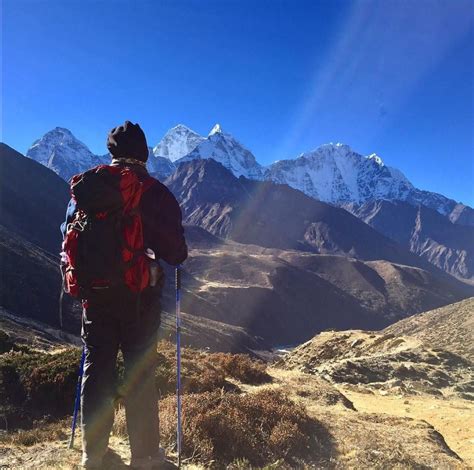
(103, 245)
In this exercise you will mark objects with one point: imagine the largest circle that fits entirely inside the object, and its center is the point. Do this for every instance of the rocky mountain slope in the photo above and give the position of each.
(32, 199)
(424, 232)
(20, 331)
(30, 282)
(275, 216)
(430, 353)
(450, 327)
(286, 296)
(33, 202)
(160, 167)
(197, 332)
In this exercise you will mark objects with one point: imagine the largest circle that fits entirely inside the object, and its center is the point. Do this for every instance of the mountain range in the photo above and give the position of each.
(428, 224)
(331, 173)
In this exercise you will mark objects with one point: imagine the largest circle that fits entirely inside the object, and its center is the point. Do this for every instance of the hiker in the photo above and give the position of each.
(120, 299)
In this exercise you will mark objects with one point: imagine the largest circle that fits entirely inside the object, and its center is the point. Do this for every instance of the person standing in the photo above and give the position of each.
(121, 299)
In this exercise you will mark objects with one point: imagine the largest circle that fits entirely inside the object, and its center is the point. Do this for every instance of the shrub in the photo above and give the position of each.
(197, 373)
(202, 371)
(221, 427)
(241, 367)
(33, 384)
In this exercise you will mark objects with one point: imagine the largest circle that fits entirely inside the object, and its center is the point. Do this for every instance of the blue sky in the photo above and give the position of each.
(392, 77)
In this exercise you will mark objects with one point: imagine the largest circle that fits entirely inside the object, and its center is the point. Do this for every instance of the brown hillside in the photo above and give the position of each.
(288, 296)
(450, 327)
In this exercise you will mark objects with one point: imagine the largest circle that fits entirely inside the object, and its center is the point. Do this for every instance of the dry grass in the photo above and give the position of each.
(453, 418)
(242, 368)
(220, 427)
(340, 438)
(40, 432)
(295, 420)
(205, 372)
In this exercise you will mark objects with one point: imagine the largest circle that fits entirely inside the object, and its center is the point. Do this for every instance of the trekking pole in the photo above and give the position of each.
(178, 361)
(77, 401)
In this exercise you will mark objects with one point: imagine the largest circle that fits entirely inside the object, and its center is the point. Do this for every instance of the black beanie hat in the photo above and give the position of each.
(128, 141)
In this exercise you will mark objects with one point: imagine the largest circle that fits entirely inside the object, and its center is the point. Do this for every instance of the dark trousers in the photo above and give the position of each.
(114, 321)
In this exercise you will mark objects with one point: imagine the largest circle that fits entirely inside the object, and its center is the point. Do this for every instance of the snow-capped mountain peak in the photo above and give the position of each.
(60, 131)
(225, 149)
(336, 147)
(217, 129)
(181, 127)
(56, 136)
(376, 159)
(62, 152)
(335, 173)
(177, 142)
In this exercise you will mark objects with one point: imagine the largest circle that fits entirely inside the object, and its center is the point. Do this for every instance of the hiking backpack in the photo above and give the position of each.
(103, 245)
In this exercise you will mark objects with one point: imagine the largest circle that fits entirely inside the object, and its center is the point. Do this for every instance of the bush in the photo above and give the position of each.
(33, 385)
(222, 427)
(241, 367)
(197, 373)
(203, 372)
